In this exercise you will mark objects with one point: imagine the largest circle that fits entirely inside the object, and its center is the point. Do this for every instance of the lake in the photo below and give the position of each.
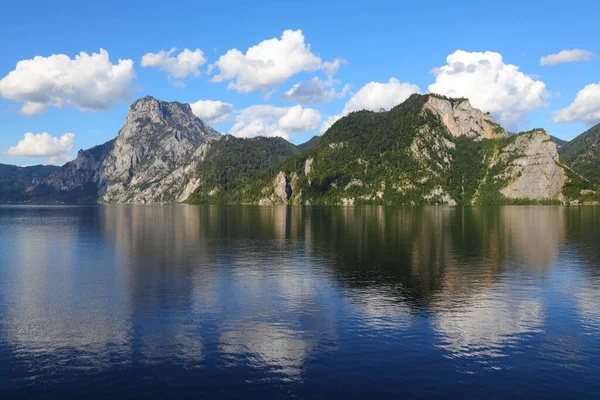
(303, 302)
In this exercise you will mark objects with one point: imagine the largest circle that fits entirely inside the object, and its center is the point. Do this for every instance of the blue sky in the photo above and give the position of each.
(374, 41)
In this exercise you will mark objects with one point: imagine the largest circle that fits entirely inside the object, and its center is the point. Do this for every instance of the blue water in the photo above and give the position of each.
(302, 302)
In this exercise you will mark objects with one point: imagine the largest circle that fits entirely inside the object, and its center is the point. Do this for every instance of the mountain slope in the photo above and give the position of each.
(230, 165)
(582, 154)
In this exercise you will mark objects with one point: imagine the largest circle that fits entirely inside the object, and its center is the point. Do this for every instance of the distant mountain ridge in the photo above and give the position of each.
(14, 181)
(583, 154)
(310, 143)
(559, 142)
(430, 149)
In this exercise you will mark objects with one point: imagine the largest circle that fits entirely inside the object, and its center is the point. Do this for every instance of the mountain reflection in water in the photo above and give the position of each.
(299, 301)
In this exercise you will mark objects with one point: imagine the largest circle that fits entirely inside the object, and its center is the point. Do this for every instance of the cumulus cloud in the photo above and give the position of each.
(331, 67)
(212, 111)
(90, 82)
(374, 96)
(269, 63)
(314, 92)
(490, 85)
(39, 145)
(184, 64)
(585, 108)
(566, 56)
(267, 120)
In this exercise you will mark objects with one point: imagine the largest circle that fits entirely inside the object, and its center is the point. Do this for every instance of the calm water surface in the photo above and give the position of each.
(191, 302)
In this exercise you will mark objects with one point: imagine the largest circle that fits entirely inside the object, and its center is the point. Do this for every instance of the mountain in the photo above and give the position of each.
(152, 159)
(14, 181)
(429, 149)
(559, 142)
(582, 154)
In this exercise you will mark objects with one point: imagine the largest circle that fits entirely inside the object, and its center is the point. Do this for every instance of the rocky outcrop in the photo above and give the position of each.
(532, 168)
(440, 197)
(279, 192)
(308, 166)
(462, 119)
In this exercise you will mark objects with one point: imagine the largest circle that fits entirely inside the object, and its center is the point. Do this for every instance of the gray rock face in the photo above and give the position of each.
(532, 169)
(308, 166)
(462, 119)
(279, 192)
(153, 159)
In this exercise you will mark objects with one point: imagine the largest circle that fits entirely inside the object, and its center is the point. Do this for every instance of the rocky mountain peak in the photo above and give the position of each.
(150, 106)
(154, 117)
(157, 139)
(462, 119)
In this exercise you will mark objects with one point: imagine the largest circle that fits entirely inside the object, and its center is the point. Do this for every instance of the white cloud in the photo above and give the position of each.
(90, 82)
(269, 63)
(267, 120)
(331, 67)
(585, 107)
(566, 56)
(374, 96)
(490, 85)
(212, 111)
(58, 150)
(314, 92)
(186, 63)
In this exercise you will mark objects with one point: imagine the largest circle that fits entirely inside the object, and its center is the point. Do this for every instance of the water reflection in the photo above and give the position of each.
(462, 265)
(267, 345)
(160, 249)
(482, 324)
(274, 292)
(55, 303)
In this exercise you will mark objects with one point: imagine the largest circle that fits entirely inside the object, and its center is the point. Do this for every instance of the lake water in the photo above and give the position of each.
(304, 302)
